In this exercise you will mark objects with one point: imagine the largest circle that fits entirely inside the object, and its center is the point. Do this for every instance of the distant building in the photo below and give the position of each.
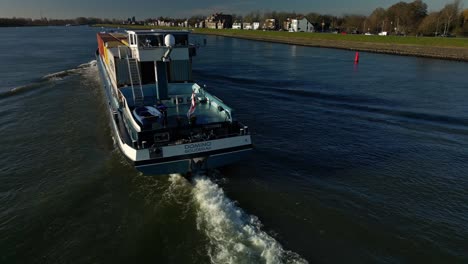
(255, 25)
(237, 25)
(183, 24)
(151, 23)
(129, 21)
(219, 21)
(270, 24)
(300, 24)
(247, 26)
(164, 23)
(132, 21)
(200, 24)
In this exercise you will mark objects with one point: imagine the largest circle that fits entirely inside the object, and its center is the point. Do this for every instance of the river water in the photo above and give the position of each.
(355, 163)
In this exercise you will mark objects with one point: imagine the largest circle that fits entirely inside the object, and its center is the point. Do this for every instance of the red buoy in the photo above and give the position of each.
(356, 58)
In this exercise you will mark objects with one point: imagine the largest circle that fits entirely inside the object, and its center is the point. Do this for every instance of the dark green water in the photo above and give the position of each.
(352, 164)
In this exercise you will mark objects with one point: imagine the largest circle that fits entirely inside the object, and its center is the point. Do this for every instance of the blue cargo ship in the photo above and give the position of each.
(162, 121)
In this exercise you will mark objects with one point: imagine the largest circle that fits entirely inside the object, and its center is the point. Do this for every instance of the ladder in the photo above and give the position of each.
(135, 80)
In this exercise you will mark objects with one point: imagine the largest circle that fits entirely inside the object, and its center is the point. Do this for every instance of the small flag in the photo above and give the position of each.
(192, 107)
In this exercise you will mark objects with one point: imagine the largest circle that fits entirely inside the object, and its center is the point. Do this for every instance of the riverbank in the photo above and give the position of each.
(439, 50)
(431, 47)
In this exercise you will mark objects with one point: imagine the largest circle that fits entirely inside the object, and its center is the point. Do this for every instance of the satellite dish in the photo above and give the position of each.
(169, 40)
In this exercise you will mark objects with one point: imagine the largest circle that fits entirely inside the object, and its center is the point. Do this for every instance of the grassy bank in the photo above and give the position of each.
(301, 36)
(434, 47)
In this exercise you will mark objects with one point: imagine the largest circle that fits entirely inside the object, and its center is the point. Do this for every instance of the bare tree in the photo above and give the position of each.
(374, 22)
(253, 16)
(449, 13)
(430, 24)
(353, 23)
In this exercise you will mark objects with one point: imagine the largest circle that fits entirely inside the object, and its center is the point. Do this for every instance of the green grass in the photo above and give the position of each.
(425, 41)
(310, 37)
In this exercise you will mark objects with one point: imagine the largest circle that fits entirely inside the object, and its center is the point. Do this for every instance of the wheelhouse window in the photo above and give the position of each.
(181, 39)
(132, 39)
(149, 41)
(157, 40)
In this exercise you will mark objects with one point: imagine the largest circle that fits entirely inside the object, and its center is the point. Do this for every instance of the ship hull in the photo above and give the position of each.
(190, 165)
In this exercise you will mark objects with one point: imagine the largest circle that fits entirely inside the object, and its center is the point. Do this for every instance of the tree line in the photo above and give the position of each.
(401, 18)
(19, 22)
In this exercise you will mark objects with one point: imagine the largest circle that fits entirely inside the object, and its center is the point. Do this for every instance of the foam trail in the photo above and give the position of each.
(88, 64)
(179, 188)
(235, 237)
(19, 89)
(57, 76)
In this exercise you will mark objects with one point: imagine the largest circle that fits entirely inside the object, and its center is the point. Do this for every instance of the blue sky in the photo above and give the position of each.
(184, 8)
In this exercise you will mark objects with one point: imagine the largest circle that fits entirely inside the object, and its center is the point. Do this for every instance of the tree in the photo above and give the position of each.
(465, 16)
(237, 18)
(195, 20)
(376, 20)
(430, 24)
(314, 18)
(449, 13)
(353, 23)
(404, 17)
(463, 31)
(419, 12)
(329, 22)
(253, 16)
(81, 20)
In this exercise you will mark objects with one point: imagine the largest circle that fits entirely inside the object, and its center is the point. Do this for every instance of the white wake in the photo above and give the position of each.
(51, 77)
(235, 237)
(61, 74)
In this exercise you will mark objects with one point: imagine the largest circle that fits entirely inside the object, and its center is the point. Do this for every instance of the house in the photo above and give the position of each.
(247, 26)
(300, 24)
(201, 24)
(219, 21)
(287, 24)
(255, 25)
(165, 23)
(152, 23)
(237, 25)
(270, 24)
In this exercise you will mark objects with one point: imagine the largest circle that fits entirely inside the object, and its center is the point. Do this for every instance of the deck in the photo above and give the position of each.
(204, 114)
